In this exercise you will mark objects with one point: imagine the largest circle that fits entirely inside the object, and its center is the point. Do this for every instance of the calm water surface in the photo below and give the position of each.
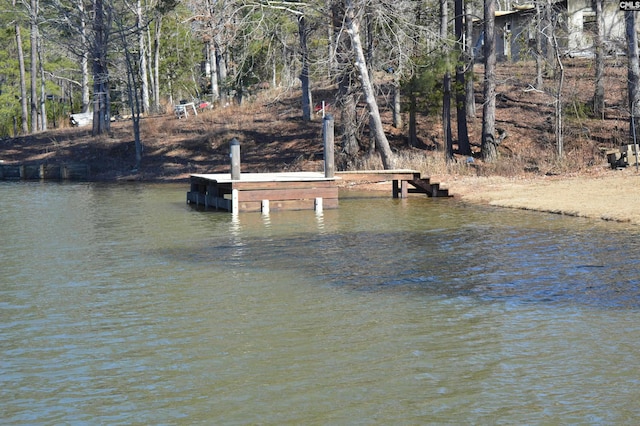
(120, 304)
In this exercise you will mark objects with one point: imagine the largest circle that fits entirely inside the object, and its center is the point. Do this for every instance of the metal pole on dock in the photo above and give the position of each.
(235, 159)
(327, 137)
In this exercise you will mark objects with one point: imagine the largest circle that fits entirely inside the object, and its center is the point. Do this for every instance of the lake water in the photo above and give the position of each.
(121, 304)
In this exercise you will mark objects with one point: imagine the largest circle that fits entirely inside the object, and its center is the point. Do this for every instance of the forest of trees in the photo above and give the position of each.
(137, 57)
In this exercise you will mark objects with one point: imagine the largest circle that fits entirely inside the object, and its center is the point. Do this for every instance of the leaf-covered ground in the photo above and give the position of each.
(274, 138)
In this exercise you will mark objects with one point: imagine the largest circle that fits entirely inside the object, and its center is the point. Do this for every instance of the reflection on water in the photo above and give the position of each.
(120, 304)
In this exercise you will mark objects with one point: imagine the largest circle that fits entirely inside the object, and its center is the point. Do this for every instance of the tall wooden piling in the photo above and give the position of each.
(327, 137)
(234, 146)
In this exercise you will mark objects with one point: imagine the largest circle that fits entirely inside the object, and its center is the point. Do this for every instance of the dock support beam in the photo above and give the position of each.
(400, 189)
(234, 201)
(327, 138)
(234, 146)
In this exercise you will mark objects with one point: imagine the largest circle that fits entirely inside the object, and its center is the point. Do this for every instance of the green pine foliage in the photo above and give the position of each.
(9, 82)
(426, 83)
(181, 74)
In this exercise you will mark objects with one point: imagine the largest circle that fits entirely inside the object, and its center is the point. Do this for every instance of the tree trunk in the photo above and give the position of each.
(559, 113)
(350, 147)
(397, 105)
(101, 102)
(413, 132)
(538, 52)
(43, 90)
(84, 59)
(382, 143)
(222, 73)
(469, 91)
(346, 97)
(598, 95)
(489, 146)
(464, 147)
(133, 91)
(143, 55)
(369, 53)
(547, 25)
(446, 117)
(156, 64)
(215, 84)
(33, 17)
(332, 44)
(303, 32)
(23, 79)
(633, 71)
(446, 82)
(444, 20)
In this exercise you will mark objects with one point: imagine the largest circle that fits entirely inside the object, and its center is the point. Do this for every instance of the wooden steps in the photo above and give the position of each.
(401, 179)
(425, 186)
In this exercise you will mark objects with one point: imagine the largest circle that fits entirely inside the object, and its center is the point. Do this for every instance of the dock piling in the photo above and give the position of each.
(235, 159)
(327, 137)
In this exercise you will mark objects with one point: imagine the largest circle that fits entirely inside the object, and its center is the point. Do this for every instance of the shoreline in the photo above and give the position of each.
(612, 195)
(608, 195)
(604, 194)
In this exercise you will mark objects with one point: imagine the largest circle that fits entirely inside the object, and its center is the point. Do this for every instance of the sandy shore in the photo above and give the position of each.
(612, 195)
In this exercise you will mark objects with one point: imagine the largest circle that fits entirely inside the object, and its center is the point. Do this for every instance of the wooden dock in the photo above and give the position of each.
(401, 180)
(263, 192)
(71, 171)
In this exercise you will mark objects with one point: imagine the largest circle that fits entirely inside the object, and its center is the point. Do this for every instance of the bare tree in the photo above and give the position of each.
(155, 51)
(303, 31)
(633, 71)
(143, 56)
(23, 78)
(150, 20)
(69, 19)
(598, 95)
(382, 144)
(446, 81)
(43, 90)
(461, 111)
(346, 98)
(539, 24)
(33, 35)
(101, 31)
(84, 56)
(549, 63)
(489, 146)
(470, 102)
(559, 115)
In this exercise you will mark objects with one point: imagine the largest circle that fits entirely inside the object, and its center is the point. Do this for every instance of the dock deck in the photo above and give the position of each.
(262, 192)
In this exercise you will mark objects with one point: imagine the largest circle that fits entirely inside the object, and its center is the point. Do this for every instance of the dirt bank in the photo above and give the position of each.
(274, 138)
(612, 195)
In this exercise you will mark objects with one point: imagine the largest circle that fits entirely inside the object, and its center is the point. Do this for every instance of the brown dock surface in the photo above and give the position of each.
(255, 192)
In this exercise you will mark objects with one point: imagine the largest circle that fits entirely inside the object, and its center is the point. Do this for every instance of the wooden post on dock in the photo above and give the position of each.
(235, 159)
(235, 203)
(327, 137)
